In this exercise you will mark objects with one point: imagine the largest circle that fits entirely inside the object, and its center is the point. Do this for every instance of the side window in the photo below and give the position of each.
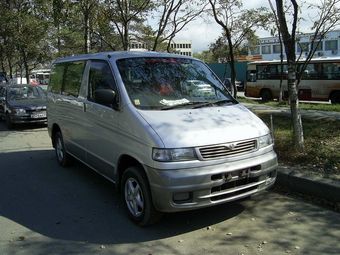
(100, 78)
(251, 75)
(72, 78)
(66, 78)
(267, 72)
(57, 74)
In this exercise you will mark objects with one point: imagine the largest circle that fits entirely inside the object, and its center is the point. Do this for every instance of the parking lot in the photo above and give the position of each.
(46, 209)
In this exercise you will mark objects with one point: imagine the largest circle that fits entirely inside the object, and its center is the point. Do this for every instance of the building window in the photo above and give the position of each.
(256, 50)
(277, 48)
(318, 47)
(331, 45)
(302, 47)
(266, 49)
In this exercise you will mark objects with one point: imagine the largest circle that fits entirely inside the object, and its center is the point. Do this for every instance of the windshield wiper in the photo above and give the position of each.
(196, 104)
(226, 101)
(217, 103)
(193, 103)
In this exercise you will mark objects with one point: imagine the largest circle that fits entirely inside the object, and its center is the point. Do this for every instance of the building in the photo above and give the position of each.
(182, 47)
(269, 48)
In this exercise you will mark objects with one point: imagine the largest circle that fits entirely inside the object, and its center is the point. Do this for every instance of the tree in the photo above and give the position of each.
(26, 29)
(126, 16)
(206, 56)
(328, 18)
(173, 16)
(289, 43)
(238, 25)
(219, 48)
(273, 30)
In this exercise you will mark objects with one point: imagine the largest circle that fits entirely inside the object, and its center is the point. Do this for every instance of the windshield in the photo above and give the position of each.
(168, 83)
(25, 93)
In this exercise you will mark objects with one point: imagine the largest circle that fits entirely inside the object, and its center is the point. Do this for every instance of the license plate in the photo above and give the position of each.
(38, 115)
(237, 175)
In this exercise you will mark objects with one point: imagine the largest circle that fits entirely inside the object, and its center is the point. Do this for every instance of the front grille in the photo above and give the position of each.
(233, 189)
(228, 150)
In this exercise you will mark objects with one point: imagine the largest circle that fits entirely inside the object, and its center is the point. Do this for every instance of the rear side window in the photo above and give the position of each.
(66, 78)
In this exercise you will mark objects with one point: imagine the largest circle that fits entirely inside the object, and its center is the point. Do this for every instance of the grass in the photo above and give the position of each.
(321, 155)
(322, 142)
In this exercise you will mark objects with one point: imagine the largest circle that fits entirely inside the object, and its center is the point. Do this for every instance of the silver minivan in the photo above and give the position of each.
(131, 117)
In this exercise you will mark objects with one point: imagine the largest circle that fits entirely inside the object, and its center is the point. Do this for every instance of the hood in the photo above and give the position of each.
(29, 104)
(204, 126)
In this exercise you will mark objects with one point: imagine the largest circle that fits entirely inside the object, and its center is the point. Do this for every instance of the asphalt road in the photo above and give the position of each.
(46, 209)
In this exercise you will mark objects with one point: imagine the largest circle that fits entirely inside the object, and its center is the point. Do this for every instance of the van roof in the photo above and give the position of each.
(119, 55)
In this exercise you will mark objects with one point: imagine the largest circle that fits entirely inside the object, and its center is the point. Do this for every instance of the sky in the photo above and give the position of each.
(202, 34)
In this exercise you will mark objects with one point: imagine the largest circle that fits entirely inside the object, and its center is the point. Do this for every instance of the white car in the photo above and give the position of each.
(239, 84)
(196, 87)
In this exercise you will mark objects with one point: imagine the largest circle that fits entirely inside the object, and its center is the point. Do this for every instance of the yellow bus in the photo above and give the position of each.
(319, 82)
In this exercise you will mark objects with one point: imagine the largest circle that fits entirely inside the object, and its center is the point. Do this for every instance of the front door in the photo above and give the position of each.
(101, 125)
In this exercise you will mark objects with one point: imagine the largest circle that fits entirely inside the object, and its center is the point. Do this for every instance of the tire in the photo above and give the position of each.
(9, 123)
(64, 159)
(335, 98)
(137, 197)
(266, 95)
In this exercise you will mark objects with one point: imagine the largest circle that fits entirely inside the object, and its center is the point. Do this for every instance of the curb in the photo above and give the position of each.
(308, 184)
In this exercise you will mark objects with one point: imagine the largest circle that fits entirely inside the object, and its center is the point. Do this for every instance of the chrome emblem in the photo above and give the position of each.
(231, 146)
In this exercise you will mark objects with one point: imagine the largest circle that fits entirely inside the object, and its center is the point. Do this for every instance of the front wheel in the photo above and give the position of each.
(266, 95)
(64, 159)
(9, 122)
(137, 196)
(335, 98)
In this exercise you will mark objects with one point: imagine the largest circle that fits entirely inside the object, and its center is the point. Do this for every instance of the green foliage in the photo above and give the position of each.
(321, 143)
(24, 32)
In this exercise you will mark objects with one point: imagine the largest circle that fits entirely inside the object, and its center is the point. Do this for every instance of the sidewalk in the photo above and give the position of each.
(293, 178)
(286, 111)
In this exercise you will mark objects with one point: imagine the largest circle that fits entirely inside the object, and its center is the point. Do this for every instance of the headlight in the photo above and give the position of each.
(170, 155)
(18, 111)
(265, 140)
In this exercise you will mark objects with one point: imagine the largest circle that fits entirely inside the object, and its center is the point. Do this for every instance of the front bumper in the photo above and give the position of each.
(27, 118)
(187, 189)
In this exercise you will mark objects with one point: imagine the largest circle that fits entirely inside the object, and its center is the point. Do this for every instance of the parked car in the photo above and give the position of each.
(239, 84)
(126, 115)
(24, 103)
(196, 87)
(34, 82)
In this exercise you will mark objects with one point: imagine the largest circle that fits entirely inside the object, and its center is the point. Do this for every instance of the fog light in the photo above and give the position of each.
(181, 197)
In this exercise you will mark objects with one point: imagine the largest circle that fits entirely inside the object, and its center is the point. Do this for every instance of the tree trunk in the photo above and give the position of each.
(289, 42)
(231, 62)
(294, 107)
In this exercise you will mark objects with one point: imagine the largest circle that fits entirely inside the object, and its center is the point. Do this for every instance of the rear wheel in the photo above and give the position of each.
(9, 122)
(335, 98)
(64, 159)
(266, 95)
(137, 196)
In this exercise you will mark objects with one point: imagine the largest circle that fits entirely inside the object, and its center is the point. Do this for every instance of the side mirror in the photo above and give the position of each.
(105, 97)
